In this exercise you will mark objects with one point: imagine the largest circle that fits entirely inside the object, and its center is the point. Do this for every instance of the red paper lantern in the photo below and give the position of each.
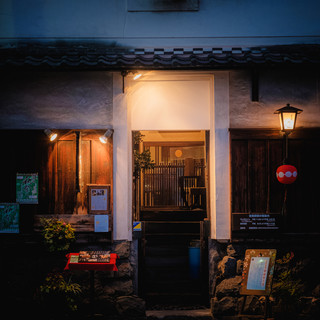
(287, 174)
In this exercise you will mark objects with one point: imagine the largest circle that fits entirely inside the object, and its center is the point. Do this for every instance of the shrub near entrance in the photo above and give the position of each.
(57, 234)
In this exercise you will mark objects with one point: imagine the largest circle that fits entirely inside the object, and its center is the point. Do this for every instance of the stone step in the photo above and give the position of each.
(201, 314)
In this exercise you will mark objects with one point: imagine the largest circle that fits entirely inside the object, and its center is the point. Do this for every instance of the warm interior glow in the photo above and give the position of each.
(288, 120)
(137, 76)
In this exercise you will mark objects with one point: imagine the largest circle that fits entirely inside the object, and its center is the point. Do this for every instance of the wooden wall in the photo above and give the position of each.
(255, 156)
(64, 167)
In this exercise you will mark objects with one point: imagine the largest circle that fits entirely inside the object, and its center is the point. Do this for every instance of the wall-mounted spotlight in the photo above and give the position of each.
(51, 135)
(107, 134)
(136, 75)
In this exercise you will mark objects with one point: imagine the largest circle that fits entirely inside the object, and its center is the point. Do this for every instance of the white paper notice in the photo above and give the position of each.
(101, 223)
(258, 273)
(99, 199)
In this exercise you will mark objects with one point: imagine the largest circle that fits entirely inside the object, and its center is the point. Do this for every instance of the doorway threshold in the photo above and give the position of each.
(201, 314)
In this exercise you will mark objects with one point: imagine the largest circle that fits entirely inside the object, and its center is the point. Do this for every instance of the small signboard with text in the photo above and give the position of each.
(99, 198)
(256, 222)
(258, 268)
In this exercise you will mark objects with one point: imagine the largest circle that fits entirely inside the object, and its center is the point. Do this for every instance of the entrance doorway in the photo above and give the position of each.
(170, 175)
(170, 198)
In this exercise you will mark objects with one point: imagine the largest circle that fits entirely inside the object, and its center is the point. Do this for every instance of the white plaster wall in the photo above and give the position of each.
(122, 163)
(60, 100)
(220, 185)
(299, 87)
(216, 23)
(170, 101)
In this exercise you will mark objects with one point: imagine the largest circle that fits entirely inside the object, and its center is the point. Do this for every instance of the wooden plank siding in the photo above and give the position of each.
(56, 165)
(255, 156)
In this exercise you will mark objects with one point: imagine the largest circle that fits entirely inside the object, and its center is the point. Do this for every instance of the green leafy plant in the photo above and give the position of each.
(142, 160)
(286, 289)
(58, 295)
(57, 234)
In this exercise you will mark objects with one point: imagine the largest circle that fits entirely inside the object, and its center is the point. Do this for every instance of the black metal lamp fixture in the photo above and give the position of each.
(288, 118)
(135, 74)
(51, 135)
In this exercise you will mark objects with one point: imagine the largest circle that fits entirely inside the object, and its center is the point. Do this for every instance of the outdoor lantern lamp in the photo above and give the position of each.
(106, 135)
(288, 118)
(286, 173)
(51, 135)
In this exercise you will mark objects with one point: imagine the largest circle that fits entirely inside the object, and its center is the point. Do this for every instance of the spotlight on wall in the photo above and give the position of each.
(51, 135)
(107, 134)
(135, 74)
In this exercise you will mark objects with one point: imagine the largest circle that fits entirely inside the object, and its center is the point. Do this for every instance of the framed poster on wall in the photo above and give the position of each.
(9, 218)
(99, 198)
(27, 188)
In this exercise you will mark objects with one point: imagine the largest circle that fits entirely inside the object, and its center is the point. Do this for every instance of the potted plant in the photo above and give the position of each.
(57, 234)
(58, 295)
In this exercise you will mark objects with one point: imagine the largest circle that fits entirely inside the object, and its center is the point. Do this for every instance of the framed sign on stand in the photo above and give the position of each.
(257, 275)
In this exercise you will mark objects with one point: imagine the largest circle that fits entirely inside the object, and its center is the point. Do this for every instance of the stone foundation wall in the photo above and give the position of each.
(300, 259)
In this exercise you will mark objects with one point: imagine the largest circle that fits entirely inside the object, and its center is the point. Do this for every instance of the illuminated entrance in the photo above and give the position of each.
(170, 175)
(170, 183)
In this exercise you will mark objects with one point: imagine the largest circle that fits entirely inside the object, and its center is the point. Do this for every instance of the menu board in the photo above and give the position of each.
(94, 256)
(9, 218)
(27, 186)
(99, 198)
(258, 268)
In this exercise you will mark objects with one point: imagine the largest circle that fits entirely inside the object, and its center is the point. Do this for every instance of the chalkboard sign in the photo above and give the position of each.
(258, 268)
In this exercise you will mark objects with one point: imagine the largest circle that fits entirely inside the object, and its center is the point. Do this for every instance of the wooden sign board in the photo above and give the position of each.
(99, 198)
(258, 269)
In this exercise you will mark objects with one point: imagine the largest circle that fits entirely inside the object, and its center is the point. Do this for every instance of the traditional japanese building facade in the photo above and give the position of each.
(215, 67)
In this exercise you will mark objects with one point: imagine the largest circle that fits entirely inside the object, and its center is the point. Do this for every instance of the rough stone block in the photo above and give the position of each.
(228, 266)
(122, 249)
(225, 306)
(229, 287)
(131, 306)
